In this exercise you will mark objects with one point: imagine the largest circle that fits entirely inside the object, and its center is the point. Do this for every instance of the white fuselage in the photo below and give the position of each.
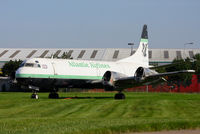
(73, 69)
(82, 73)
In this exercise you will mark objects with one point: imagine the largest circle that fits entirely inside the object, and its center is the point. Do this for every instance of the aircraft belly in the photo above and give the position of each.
(46, 84)
(73, 83)
(38, 82)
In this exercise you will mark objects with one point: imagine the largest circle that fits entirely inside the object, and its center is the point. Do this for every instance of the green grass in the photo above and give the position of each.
(97, 113)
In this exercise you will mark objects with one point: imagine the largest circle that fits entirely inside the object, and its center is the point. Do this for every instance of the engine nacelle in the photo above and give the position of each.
(139, 74)
(142, 72)
(109, 79)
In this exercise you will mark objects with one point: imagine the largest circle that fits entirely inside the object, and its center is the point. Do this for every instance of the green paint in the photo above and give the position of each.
(144, 40)
(3, 61)
(78, 64)
(57, 76)
(160, 62)
(98, 65)
(90, 65)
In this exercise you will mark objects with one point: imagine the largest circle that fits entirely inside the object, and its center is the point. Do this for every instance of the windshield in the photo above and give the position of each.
(35, 65)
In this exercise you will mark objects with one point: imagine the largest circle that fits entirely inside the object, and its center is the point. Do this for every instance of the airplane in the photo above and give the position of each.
(43, 74)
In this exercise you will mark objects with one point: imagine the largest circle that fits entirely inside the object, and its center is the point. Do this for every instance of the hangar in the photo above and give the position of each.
(156, 56)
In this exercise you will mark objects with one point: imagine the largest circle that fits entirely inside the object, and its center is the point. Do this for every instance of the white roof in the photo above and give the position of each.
(106, 54)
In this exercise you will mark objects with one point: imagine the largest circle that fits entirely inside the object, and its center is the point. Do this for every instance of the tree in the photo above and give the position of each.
(10, 67)
(65, 55)
(181, 79)
(196, 65)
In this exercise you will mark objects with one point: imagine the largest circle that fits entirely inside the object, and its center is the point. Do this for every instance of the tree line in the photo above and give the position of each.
(182, 64)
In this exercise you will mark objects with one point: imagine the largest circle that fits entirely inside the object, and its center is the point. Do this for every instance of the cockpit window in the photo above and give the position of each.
(21, 65)
(30, 65)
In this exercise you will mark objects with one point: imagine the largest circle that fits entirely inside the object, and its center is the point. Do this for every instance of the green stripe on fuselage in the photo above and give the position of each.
(144, 40)
(57, 76)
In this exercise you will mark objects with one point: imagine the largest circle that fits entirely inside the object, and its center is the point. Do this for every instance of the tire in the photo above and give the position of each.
(119, 96)
(56, 96)
(34, 96)
(53, 96)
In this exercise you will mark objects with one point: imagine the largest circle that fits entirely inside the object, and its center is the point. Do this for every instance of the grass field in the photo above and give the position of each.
(97, 113)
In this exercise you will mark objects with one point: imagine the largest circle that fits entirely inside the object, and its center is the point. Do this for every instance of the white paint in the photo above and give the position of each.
(126, 66)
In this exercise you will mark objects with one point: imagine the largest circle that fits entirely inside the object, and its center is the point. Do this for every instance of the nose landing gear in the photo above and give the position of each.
(52, 95)
(34, 95)
(34, 89)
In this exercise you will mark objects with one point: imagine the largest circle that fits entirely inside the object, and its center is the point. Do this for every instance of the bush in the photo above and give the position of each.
(10, 67)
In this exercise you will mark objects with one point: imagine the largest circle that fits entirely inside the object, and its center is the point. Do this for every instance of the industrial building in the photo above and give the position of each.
(160, 56)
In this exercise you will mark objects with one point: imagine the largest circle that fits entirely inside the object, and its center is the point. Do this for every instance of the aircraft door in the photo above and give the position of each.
(98, 72)
(54, 68)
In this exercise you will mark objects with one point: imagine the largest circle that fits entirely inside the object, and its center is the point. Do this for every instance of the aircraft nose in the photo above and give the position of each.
(19, 72)
(19, 76)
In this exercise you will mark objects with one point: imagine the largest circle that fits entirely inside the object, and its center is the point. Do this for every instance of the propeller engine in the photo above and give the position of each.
(142, 72)
(109, 79)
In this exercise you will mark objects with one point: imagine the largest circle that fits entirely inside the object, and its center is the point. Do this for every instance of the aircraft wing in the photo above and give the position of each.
(119, 82)
(163, 66)
(127, 82)
(171, 73)
(168, 65)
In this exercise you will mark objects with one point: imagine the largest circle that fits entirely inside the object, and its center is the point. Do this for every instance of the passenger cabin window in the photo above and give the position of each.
(22, 64)
(29, 65)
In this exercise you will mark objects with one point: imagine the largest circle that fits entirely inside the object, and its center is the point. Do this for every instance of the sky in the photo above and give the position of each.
(98, 23)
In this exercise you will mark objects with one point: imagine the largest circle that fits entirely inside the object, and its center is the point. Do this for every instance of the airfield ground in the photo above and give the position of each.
(98, 113)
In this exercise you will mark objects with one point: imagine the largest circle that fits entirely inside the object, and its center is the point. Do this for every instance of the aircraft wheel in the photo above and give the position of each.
(56, 95)
(119, 96)
(34, 96)
(53, 96)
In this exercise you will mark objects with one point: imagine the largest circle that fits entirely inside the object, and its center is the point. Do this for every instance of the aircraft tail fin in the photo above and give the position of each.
(141, 56)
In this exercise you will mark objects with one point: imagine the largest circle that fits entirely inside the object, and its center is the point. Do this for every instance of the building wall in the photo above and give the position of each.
(104, 54)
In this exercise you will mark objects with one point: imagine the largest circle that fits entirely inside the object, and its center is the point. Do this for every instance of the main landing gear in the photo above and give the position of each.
(119, 96)
(53, 94)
